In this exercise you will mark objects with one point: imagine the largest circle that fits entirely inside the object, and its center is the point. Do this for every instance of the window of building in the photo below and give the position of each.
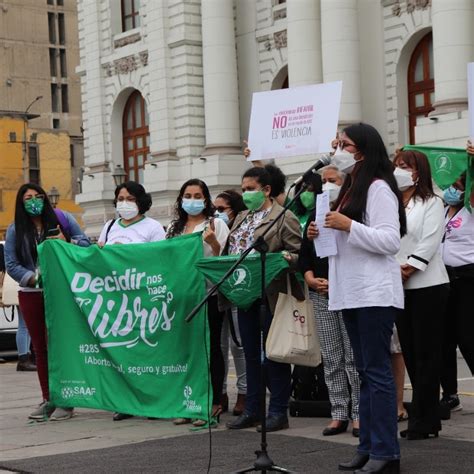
(64, 99)
(61, 29)
(420, 83)
(50, 2)
(62, 62)
(54, 98)
(135, 136)
(51, 28)
(130, 14)
(60, 3)
(34, 166)
(52, 62)
(71, 155)
(56, 123)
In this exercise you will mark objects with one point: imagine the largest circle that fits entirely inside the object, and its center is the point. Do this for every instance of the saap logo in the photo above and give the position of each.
(188, 391)
(443, 163)
(241, 279)
(76, 391)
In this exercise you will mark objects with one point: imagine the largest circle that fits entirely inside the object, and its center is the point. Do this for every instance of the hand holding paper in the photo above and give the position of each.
(325, 243)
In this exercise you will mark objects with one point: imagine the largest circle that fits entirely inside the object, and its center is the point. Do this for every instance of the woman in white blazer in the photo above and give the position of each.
(426, 286)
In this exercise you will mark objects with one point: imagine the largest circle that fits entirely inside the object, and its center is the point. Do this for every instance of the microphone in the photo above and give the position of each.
(320, 163)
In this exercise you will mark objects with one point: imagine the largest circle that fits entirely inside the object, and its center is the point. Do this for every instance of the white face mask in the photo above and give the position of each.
(404, 178)
(127, 210)
(333, 190)
(344, 160)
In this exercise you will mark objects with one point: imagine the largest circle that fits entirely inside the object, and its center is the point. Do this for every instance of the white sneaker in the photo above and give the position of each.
(43, 412)
(62, 414)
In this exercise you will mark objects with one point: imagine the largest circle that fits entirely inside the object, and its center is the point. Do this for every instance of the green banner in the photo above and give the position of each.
(117, 339)
(447, 165)
(242, 288)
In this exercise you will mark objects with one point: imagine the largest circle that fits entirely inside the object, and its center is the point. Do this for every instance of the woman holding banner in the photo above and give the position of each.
(366, 285)
(133, 227)
(286, 237)
(194, 212)
(36, 221)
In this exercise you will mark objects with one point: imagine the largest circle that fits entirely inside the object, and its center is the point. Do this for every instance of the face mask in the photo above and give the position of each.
(404, 178)
(34, 207)
(343, 160)
(307, 199)
(223, 216)
(333, 190)
(452, 196)
(193, 207)
(253, 200)
(127, 210)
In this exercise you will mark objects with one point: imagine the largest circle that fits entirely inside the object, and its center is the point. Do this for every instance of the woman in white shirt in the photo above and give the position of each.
(365, 284)
(133, 227)
(458, 256)
(194, 212)
(426, 292)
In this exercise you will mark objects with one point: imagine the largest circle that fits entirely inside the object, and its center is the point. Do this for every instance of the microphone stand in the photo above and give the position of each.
(263, 462)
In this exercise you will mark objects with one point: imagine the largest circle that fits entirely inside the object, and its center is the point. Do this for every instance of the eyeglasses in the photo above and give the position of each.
(36, 196)
(222, 208)
(343, 145)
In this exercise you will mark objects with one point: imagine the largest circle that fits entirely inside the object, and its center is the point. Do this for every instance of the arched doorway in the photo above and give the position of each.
(420, 82)
(136, 137)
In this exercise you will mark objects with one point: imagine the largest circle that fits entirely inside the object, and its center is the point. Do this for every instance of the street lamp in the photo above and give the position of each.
(54, 196)
(25, 120)
(119, 175)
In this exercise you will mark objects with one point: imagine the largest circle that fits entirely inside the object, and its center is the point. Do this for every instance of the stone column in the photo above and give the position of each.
(453, 48)
(340, 44)
(304, 42)
(221, 98)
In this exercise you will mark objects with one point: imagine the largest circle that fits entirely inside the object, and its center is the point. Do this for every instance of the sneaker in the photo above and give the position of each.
(62, 414)
(43, 412)
(451, 401)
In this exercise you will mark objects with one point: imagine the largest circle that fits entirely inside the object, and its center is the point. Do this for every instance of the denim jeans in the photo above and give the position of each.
(370, 330)
(278, 376)
(23, 339)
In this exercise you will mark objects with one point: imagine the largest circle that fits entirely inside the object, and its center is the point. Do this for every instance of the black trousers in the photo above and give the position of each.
(215, 318)
(420, 331)
(458, 330)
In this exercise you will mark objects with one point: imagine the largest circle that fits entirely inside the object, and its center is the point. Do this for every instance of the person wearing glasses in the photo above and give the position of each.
(132, 227)
(366, 285)
(228, 204)
(36, 221)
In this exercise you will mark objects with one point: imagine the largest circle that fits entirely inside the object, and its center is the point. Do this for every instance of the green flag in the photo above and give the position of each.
(242, 287)
(447, 165)
(117, 339)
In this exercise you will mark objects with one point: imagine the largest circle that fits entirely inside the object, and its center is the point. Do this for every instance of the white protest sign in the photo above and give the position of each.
(294, 122)
(470, 98)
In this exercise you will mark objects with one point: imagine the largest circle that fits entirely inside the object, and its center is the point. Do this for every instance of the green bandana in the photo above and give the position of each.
(307, 199)
(34, 206)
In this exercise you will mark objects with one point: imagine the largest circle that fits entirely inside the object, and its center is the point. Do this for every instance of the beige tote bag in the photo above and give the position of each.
(10, 291)
(292, 338)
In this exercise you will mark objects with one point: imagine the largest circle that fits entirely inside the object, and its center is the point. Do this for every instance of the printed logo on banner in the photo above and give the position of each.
(113, 312)
(241, 279)
(190, 404)
(77, 391)
(443, 163)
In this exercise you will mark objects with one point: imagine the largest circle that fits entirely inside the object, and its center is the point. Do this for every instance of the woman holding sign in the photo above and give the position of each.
(35, 222)
(285, 237)
(195, 213)
(366, 285)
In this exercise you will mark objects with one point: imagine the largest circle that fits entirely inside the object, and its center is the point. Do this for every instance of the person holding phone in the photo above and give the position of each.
(35, 222)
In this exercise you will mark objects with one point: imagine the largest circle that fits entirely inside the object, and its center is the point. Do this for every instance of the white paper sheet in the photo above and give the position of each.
(325, 243)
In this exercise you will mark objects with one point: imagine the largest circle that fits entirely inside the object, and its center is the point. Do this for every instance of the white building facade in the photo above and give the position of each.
(167, 84)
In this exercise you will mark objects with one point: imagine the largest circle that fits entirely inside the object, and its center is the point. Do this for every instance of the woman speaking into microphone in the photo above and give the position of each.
(366, 285)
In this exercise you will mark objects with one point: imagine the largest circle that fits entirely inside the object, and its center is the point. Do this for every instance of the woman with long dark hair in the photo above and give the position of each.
(194, 212)
(366, 285)
(425, 281)
(36, 221)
